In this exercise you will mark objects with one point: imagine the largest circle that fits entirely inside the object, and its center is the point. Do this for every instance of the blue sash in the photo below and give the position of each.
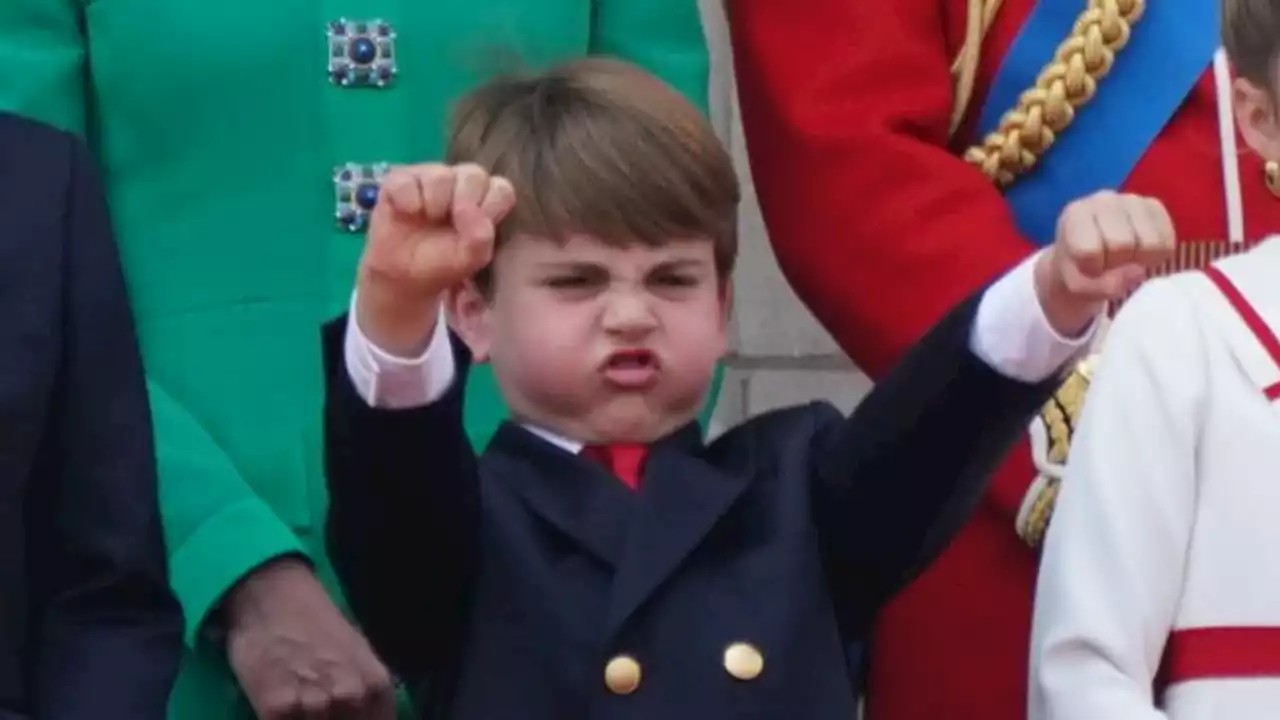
(1171, 47)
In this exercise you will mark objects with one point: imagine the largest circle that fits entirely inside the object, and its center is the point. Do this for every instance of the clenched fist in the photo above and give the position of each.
(1106, 244)
(433, 228)
(296, 656)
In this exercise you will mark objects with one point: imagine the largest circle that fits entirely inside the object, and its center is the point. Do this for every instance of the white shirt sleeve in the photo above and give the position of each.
(1112, 566)
(1013, 336)
(385, 381)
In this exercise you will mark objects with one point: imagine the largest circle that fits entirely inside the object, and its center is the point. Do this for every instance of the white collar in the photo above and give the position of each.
(573, 447)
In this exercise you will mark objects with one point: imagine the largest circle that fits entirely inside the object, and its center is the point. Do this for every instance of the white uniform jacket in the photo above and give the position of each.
(1159, 589)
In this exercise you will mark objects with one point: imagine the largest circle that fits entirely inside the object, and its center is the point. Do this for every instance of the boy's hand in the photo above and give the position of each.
(1105, 245)
(433, 228)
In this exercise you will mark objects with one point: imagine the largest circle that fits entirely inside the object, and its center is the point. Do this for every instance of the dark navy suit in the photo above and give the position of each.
(88, 628)
(534, 567)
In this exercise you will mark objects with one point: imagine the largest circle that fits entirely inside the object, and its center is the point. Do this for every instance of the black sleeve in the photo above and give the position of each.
(110, 631)
(896, 480)
(403, 516)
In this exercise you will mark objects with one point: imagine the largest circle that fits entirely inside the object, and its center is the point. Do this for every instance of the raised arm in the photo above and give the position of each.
(402, 474)
(895, 481)
(402, 481)
(876, 221)
(1113, 558)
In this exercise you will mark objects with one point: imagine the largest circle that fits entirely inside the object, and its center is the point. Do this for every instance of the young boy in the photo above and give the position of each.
(598, 559)
(1156, 596)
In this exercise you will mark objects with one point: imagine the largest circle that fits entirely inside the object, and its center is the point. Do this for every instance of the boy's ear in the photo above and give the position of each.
(469, 315)
(1255, 111)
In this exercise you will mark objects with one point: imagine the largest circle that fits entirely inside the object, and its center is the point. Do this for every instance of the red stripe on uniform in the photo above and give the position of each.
(1221, 653)
(1251, 318)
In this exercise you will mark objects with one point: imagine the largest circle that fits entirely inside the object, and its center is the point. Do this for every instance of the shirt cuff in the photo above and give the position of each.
(386, 381)
(1012, 334)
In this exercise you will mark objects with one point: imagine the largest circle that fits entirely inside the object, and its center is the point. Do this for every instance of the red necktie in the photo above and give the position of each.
(625, 460)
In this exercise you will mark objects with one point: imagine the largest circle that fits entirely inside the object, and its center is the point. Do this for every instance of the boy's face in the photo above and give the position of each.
(598, 343)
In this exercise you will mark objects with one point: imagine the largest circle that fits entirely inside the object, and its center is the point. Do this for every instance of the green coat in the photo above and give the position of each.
(219, 130)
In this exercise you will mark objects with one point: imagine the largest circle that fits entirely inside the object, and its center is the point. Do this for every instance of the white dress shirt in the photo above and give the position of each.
(1010, 333)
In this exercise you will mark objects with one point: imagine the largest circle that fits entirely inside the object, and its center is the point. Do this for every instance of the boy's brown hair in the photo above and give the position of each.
(1251, 35)
(600, 147)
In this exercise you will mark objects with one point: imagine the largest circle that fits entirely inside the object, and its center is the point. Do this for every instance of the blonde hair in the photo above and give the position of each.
(1044, 111)
(600, 147)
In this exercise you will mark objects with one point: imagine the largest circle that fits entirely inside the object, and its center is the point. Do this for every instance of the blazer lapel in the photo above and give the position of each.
(682, 498)
(575, 495)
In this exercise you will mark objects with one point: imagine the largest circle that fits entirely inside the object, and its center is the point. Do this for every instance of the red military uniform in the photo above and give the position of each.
(881, 227)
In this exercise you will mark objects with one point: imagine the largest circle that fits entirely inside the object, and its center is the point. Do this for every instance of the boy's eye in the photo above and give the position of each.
(569, 282)
(676, 280)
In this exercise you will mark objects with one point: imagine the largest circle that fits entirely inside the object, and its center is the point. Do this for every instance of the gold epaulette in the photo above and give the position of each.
(1062, 411)
(1037, 519)
(1052, 431)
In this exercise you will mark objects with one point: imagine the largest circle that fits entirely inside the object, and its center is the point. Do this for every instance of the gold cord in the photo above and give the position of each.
(964, 70)
(1028, 130)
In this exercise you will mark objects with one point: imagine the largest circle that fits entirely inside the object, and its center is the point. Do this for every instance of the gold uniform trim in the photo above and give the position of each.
(1067, 83)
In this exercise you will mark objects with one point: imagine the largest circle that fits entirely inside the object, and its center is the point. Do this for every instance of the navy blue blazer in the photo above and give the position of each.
(88, 627)
(529, 584)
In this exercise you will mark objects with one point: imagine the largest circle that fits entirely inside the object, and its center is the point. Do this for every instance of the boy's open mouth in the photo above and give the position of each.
(631, 369)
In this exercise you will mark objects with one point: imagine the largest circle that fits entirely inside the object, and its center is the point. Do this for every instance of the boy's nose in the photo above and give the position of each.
(629, 313)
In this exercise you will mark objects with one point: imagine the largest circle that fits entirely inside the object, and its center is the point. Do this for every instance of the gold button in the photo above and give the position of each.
(743, 661)
(622, 675)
